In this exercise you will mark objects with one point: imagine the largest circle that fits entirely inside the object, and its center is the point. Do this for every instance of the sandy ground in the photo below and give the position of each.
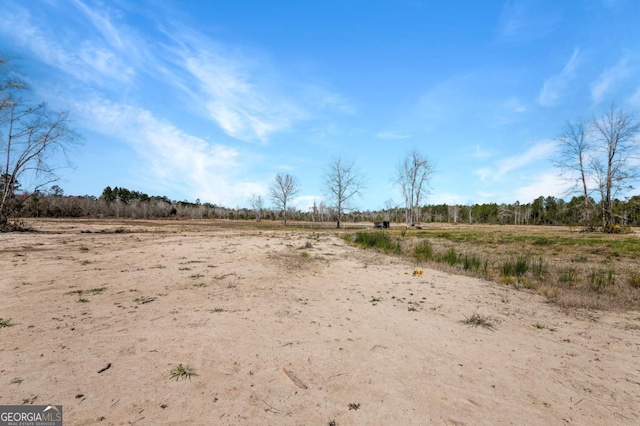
(364, 341)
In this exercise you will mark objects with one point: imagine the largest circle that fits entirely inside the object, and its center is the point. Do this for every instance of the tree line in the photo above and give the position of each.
(124, 203)
(599, 156)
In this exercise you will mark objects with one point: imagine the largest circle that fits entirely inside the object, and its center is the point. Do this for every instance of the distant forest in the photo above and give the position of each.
(124, 203)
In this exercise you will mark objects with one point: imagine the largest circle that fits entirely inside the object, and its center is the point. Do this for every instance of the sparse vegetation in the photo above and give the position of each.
(182, 372)
(30, 400)
(558, 264)
(600, 280)
(93, 291)
(634, 280)
(423, 250)
(6, 322)
(378, 240)
(477, 320)
(543, 327)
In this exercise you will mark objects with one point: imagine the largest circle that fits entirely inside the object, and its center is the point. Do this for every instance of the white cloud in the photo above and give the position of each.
(242, 92)
(174, 158)
(556, 86)
(545, 184)
(103, 25)
(539, 151)
(79, 52)
(609, 78)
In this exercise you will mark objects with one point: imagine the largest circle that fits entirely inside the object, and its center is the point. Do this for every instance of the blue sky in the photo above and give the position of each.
(211, 99)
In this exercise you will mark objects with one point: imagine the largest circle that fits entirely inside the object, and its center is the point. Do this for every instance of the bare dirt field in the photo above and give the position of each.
(288, 327)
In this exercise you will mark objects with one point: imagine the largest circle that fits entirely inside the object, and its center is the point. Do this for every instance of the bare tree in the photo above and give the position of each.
(33, 139)
(412, 175)
(282, 190)
(573, 160)
(615, 133)
(342, 182)
(257, 205)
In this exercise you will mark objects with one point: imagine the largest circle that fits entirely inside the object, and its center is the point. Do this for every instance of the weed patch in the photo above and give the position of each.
(6, 322)
(182, 372)
(378, 240)
(601, 279)
(423, 251)
(477, 320)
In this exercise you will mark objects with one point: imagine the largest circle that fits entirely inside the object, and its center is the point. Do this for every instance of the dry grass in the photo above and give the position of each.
(570, 268)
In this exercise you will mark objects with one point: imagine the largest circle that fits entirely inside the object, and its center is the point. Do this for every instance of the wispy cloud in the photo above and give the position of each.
(244, 93)
(240, 91)
(96, 53)
(174, 158)
(556, 86)
(609, 78)
(480, 153)
(526, 20)
(392, 136)
(241, 107)
(539, 151)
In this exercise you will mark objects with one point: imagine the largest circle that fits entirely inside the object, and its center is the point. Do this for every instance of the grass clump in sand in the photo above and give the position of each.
(6, 323)
(182, 372)
(477, 320)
